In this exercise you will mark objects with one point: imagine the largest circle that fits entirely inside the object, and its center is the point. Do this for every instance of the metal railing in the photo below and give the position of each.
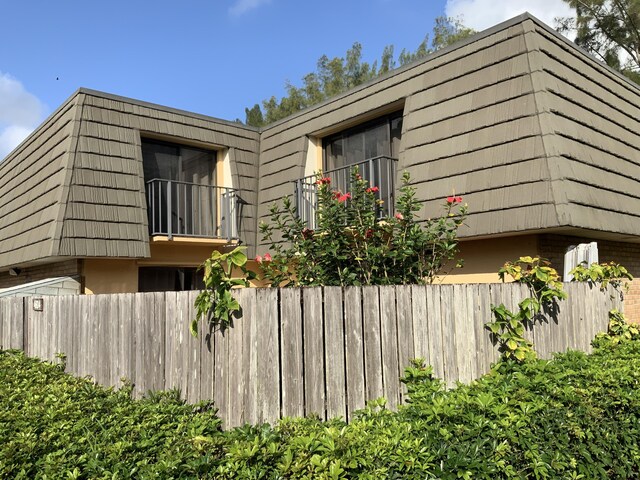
(378, 171)
(191, 210)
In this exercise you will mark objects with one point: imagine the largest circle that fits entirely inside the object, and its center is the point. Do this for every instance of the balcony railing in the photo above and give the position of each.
(191, 210)
(378, 171)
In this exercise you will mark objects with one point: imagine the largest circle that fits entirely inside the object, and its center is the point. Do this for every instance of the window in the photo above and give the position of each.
(182, 198)
(379, 138)
(169, 279)
(169, 161)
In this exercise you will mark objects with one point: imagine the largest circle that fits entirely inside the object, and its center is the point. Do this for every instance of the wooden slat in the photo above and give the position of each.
(434, 316)
(235, 385)
(221, 375)
(206, 345)
(247, 298)
(372, 343)
(389, 336)
(406, 335)
(334, 352)
(252, 313)
(354, 349)
(447, 312)
(268, 356)
(420, 322)
(292, 355)
(314, 366)
(482, 315)
(192, 352)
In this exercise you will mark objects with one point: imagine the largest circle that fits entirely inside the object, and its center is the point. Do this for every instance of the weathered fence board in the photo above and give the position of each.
(354, 351)
(313, 327)
(292, 357)
(291, 352)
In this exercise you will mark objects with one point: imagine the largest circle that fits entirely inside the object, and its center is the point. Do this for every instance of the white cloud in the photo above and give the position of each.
(243, 6)
(20, 113)
(481, 14)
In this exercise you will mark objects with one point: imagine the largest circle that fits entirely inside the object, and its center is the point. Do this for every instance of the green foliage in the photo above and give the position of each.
(334, 76)
(607, 29)
(351, 246)
(53, 425)
(508, 328)
(576, 416)
(215, 303)
(603, 274)
(619, 331)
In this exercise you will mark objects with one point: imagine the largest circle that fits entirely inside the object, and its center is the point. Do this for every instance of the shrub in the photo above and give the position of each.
(351, 245)
(53, 425)
(576, 416)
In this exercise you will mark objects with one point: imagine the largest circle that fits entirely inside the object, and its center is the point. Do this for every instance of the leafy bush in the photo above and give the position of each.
(603, 274)
(53, 425)
(351, 245)
(576, 416)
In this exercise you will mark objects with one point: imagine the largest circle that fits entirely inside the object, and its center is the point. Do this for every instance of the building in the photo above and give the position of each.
(541, 140)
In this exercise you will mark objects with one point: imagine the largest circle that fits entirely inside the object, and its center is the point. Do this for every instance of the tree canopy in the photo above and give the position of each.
(339, 74)
(610, 30)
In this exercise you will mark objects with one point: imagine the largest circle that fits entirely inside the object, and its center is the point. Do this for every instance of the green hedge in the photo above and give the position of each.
(577, 416)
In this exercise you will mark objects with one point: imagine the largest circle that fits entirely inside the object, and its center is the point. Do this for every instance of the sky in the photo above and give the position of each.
(213, 57)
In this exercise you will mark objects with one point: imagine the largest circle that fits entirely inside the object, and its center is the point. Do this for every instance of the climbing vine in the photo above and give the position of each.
(215, 303)
(508, 327)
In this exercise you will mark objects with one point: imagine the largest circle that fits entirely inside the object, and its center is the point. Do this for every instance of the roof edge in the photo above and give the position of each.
(36, 130)
(578, 48)
(156, 106)
(397, 71)
(519, 19)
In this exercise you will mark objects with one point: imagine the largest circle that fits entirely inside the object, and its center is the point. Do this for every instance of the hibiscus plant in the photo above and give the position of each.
(352, 244)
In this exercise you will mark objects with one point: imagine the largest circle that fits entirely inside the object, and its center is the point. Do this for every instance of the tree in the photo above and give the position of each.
(334, 76)
(608, 29)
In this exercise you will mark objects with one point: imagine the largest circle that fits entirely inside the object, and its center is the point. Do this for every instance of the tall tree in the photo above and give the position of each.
(610, 30)
(334, 76)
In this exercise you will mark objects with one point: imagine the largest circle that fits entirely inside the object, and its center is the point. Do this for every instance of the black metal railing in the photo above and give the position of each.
(378, 171)
(191, 210)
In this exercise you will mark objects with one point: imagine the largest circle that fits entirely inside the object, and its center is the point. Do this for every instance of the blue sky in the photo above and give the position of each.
(213, 57)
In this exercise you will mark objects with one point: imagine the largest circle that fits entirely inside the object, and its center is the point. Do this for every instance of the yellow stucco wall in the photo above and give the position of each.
(110, 276)
(177, 254)
(483, 258)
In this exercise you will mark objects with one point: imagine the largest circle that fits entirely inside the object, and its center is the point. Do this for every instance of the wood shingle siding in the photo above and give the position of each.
(32, 189)
(590, 119)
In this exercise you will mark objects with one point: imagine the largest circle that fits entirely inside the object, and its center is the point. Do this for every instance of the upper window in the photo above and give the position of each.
(379, 138)
(169, 161)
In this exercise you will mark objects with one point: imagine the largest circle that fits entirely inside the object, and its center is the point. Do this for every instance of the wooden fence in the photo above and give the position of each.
(293, 352)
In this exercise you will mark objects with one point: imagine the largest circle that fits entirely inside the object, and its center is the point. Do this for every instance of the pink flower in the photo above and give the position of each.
(323, 181)
(452, 200)
(267, 257)
(372, 190)
(345, 197)
(399, 216)
(258, 258)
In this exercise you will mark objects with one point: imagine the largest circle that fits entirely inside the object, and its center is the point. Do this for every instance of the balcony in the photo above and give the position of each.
(379, 171)
(192, 210)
